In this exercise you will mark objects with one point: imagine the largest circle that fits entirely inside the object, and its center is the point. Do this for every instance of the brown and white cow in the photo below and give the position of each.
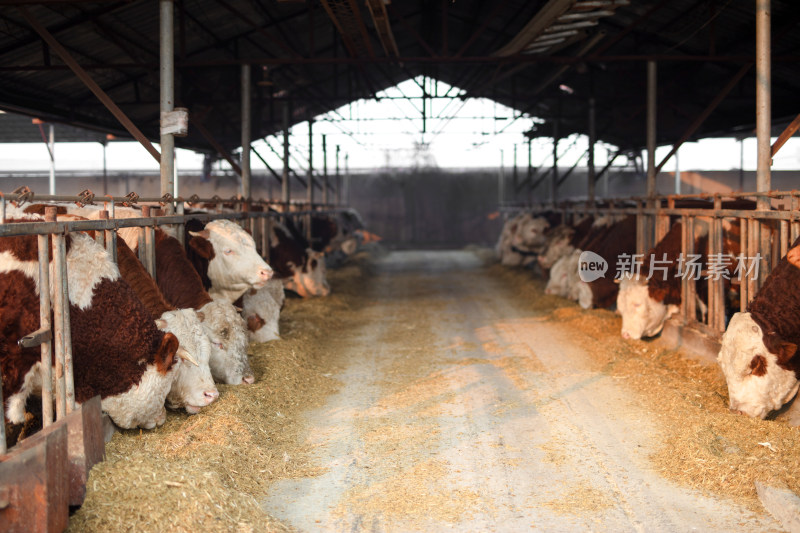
(193, 387)
(261, 309)
(521, 239)
(759, 348)
(301, 269)
(182, 287)
(618, 240)
(225, 256)
(118, 352)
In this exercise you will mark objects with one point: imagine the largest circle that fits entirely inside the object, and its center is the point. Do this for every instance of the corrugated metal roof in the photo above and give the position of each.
(699, 45)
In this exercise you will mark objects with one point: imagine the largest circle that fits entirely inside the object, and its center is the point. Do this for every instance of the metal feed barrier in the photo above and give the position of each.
(765, 237)
(55, 462)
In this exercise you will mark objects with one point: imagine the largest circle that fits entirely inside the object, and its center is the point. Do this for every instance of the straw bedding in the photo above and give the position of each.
(703, 445)
(207, 471)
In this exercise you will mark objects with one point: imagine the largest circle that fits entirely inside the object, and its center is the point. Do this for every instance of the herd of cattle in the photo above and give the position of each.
(143, 343)
(757, 354)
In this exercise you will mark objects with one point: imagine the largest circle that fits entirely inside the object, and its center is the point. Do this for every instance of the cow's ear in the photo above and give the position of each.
(165, 355)
(202, 233)
(202, 246)
(786, 351)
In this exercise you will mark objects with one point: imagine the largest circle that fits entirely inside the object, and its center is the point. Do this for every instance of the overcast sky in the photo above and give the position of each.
(389, 133)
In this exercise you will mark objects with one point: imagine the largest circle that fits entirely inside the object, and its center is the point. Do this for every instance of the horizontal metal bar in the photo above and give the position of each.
(40, 336)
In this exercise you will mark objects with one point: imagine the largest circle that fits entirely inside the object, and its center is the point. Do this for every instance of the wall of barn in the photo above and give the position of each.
(425, 207)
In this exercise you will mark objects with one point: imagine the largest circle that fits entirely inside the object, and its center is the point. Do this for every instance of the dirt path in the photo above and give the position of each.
(460, 409)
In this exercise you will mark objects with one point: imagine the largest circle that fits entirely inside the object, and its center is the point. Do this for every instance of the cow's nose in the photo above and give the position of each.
(248, 379)
(626, 335)
(265, 273)
(736, 411)
(211, 395)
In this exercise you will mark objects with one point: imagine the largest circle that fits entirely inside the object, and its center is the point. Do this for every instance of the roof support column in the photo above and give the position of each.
(763, 123)
(246, 101)
(310, 184)
(590, 162)
(647, 223)
(651, 129)
(554, 180)
(167, 87)
(325, 170)
(285, 174)
(338, 179)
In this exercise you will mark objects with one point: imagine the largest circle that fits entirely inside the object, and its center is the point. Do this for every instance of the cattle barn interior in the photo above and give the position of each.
(285, 338)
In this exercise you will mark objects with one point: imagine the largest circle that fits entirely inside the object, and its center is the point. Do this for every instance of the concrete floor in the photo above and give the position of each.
(462, 411)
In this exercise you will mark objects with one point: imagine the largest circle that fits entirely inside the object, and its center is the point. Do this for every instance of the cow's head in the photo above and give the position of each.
(193, 387)
(558, 284)
(642, 316)
(308, 279)
(227, 333)
(529, 235)
(757, 383)
(234, 265)
(556, 249)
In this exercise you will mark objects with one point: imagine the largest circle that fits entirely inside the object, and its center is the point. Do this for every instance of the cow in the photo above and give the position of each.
(182, 287)
(521, 239)
(301, 269)
(758, 353)
(617, 241)
(645, 305)
(261, 309)
(561, 241)
(564, 277)
(118, 352)
(225, 256)
(193, 387)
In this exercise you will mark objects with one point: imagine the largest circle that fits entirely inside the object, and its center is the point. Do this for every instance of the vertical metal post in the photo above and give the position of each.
(651, 147)
(743, 285)
(691, 288)
(285, 174)
(515, 176)
(529, 176)
(763, 123)
(105, 167)
(51, 147)
(324, 170)
(246, 131)
(338, 179)
(677, 172)
(167, 90)
(59, 308)
(716, 291)
(310, 189)
(45, 323)
(149, 244)
(685, 237)
(180, 208)
(501, 193)
(347, 178)
(753, 242)
(108, 239)
(590, 192)
(554, 181)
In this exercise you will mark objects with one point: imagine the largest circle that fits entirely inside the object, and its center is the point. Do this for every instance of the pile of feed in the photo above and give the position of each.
(206, 472)
(704, 446)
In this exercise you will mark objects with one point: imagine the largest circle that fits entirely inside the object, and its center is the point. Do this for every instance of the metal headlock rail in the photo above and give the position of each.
(764, 238)
(55, 337)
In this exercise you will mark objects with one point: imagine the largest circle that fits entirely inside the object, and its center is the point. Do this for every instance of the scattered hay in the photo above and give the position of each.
(416, 495)
(580, 500)
(207, 471)
(703, 446)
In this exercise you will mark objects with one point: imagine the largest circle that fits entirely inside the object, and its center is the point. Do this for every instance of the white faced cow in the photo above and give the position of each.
(758, 353)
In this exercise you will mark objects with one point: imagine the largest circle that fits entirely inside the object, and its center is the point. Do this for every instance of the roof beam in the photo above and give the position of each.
(90, 83)
(544, 18)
